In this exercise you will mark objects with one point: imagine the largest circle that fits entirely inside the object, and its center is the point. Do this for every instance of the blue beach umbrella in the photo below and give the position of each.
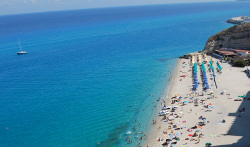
(178, 133)
(185, 101)
(207, 87)
(196, 80)
(206, 82)
(172, 136)
(195, 76)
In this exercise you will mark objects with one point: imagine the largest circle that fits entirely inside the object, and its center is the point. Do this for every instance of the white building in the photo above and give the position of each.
(242, 52)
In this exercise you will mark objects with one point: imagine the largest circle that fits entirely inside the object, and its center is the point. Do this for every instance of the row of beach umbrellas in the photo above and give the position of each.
(204, 75)
(212, 67)
(195, 77)
(219, 66)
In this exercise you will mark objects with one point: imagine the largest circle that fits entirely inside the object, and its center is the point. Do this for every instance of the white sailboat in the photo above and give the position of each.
(21, 52)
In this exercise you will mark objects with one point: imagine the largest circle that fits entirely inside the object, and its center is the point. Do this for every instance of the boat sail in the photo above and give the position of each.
(21, 52)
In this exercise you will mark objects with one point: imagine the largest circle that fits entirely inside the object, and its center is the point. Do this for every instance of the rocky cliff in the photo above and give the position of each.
(236, 37)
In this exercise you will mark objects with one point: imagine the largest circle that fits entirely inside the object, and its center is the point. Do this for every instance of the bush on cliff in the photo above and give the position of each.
(239, 63)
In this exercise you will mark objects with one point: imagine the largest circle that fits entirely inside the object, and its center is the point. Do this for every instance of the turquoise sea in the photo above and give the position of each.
(90, 73)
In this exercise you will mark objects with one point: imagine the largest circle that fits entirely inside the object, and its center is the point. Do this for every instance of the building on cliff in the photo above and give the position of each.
(232, 52)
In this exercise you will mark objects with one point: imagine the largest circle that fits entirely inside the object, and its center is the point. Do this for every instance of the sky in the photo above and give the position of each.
(29, 6)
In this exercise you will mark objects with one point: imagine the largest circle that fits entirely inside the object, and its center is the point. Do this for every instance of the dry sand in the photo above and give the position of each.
(235, 132)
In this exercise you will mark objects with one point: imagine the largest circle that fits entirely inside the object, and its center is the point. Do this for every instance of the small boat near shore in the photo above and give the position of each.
(163, 112)
(165, 108)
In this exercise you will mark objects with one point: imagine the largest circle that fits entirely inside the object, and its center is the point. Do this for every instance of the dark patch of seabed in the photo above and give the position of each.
(113, 136)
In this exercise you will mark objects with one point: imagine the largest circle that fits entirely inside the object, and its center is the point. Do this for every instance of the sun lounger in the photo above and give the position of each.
(208, 111)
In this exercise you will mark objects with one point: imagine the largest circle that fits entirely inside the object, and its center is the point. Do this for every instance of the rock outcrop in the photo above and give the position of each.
(236, 37)
(238, 20)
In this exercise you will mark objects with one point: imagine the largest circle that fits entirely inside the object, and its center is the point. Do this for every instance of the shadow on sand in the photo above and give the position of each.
(241, 125)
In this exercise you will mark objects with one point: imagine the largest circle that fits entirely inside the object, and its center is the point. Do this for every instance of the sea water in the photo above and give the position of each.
(92, 75)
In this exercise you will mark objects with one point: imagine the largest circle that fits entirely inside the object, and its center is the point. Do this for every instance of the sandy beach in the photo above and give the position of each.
(201, 119)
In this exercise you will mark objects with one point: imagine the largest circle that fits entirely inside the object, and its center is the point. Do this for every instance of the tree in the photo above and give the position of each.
(240, 63)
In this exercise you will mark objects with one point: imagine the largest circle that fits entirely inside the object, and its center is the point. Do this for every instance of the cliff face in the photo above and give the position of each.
(236, 37)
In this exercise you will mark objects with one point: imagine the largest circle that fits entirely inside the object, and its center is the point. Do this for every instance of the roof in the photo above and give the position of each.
(241, 50)
(226, 52)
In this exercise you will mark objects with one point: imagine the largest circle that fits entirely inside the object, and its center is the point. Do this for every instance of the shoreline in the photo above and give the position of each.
(165, 96)
(231, 80)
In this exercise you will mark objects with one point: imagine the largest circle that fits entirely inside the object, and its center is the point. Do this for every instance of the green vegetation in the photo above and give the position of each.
(248, 62)
(239, 63)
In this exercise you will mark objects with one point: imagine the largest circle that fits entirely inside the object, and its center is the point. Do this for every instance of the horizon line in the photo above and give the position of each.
(140, 5)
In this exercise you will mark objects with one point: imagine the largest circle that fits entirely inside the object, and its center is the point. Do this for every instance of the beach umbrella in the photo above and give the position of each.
(212, 107)
(176, 139)
(172, 136)
(196, 80)
(209, 104)
(185, 101)
(180, 97)
(214, 75)
(178, 134)
(190, 134)
(196, 86)
(195, 89)
(206, 82)
(175, 106)
(195, 76)
(207, 87)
